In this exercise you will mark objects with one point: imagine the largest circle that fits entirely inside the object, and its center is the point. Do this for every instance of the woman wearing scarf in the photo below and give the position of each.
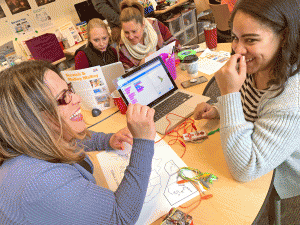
(140, 37)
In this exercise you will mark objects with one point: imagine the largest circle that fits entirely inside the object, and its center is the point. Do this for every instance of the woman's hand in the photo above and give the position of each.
(229, 78)
(122, 135)
(144, 59)
(140, 121)
(205, 111)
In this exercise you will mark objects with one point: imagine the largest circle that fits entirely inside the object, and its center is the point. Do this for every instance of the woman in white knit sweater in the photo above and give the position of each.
(259, 103)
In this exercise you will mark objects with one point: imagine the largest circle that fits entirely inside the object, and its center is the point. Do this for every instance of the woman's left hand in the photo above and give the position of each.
(230, 79)
(122, 135)
(144, 59)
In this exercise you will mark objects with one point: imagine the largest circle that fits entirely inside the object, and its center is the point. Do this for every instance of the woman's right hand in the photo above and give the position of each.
(140, 121)
(205, 111)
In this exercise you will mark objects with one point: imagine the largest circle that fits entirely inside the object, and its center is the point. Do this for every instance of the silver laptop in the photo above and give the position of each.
(111, 72)
(151, 84)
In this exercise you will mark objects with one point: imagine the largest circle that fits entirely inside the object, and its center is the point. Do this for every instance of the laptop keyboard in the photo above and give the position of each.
(171, 103)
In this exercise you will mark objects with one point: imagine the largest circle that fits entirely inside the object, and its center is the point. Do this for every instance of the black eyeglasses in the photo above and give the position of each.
(66, 97)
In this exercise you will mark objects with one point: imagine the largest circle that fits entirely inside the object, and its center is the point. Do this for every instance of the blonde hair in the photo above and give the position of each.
(30, 123)
(131, 10)
(96, 23)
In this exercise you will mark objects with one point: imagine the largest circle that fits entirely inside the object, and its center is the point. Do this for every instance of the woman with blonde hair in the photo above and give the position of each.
(140, 36)
(46, 176)
(98, 51)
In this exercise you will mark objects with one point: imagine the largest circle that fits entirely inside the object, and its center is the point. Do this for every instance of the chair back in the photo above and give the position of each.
(212, 90)
(201, 5)
(222, 15)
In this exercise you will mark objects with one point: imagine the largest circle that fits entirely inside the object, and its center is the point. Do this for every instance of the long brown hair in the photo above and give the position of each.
(30, 123)
(283, 18)
(131, 10)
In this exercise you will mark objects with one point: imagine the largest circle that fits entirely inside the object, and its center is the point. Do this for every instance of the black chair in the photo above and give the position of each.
(275, 208)
(212, 90)
(274, 214)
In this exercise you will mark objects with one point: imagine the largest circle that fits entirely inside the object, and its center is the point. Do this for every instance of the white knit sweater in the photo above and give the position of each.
(272, 141)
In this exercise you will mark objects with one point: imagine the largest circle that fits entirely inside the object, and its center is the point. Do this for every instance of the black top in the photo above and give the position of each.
(96, 57)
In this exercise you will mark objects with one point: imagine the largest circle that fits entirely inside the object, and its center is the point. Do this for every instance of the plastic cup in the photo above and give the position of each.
(191, 65)
(118, 101)
(210, 33)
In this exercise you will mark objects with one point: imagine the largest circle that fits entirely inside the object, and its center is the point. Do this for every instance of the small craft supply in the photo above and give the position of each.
(177, 217)
(194, 136)
(201, 178)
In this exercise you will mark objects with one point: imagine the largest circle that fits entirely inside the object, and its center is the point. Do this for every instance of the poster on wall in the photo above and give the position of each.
(16, 6)
(6, 50)
(43, 18)
(43, 2)
(2, 14)
(70, 33)
(22, 27)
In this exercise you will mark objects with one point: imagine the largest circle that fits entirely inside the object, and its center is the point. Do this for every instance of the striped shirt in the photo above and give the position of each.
(250, 98)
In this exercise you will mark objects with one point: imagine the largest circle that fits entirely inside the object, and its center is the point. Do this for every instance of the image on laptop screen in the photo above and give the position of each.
(146, 84)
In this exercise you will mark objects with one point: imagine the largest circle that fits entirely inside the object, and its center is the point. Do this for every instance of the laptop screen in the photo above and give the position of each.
(147, 83)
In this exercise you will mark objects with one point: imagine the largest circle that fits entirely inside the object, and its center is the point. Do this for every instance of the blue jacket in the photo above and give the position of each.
(35, 191)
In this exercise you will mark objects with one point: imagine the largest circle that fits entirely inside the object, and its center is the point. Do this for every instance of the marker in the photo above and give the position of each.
(204, 183)
(182, 181)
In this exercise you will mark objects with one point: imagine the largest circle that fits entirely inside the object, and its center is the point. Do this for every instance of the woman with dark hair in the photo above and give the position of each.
(260, 91)
(140, 36)
(46, 176)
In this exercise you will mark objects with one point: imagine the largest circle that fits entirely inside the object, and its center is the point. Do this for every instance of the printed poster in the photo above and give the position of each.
(43, 18)
(17, 6)
(22, 27)
(70, 33)
(6, 50)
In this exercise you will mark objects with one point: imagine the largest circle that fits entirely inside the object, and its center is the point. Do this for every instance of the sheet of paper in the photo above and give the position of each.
(210, 62)
(22, 27)
(43, 19)
(91, 86)
(163, 192)
(167, 49)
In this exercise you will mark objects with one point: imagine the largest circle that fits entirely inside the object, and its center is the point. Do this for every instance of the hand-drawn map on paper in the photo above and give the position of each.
(163, 192)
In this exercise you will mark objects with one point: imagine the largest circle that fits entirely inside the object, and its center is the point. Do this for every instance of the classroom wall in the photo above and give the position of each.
(61, 11)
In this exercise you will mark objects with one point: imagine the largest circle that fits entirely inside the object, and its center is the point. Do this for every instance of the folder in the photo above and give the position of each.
(45, 47)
